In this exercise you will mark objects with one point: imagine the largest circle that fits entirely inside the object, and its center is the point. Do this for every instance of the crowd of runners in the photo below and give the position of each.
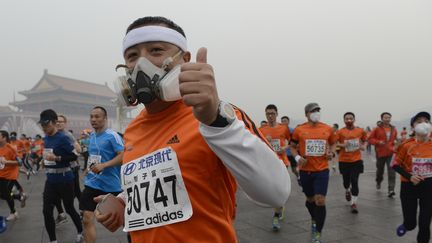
(175, 172)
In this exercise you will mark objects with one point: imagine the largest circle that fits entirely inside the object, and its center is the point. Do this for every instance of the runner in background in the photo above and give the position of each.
(278, 135)
(59, 184)
(293, 163)
(313, 144)
(335, 157)
(383, 137)
(413, 161)
(105, 153)
(9, 170)
(352, 140)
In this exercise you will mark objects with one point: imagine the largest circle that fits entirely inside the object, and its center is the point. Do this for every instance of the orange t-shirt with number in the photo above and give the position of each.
(314, 142)
(9, 172)
(355, 137)
(277, 136)
(210, 186)
(415, 157)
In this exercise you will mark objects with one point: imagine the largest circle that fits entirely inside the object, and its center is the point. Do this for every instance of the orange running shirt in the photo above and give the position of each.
(278, 136)
(19, 147)
(210, 186)
(415, 158)
(9, 172)
(38, 147)
(313, 143)
(355, 138)
(26, 144)
(403, 135)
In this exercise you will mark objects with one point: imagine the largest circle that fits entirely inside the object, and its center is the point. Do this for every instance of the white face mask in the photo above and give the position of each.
(423, 128)
(315, 117)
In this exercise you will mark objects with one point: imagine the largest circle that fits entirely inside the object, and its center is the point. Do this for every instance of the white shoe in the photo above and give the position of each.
(79, 238)
(12, 216)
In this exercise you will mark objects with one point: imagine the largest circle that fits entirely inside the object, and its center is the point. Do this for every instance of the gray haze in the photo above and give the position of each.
(365, 56)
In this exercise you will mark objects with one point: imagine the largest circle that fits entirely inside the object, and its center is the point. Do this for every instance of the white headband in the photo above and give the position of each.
(154, 33)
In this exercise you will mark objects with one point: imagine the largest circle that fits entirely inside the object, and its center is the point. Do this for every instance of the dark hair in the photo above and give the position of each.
(263, 122)
(38, 136)
(271, 107)
(385, 113)
(336, 125)
(101, 108)
(13, 134)
(285, 117)
(23, 135)
(155, 20)
(5, 134)
(348, 113)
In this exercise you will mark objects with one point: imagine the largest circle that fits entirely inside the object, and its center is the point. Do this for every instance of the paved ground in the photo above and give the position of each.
(376, 222)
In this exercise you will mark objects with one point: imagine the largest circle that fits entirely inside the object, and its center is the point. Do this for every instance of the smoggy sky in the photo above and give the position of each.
(364, 56)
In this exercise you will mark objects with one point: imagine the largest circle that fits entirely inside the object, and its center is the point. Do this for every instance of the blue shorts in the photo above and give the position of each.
(314, 183)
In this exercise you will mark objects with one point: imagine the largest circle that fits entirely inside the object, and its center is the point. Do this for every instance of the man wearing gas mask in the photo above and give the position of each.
(187, 150)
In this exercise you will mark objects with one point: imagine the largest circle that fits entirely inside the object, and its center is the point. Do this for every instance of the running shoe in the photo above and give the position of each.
(348, 196)
(378, 186)
(313, 228)
(316, 238)
(61, 219)
(391, 194)
(354, 209)
(401, 230)
(282, 214)
(12, 216)
(276, 225)
(23, 199)
(79, 238)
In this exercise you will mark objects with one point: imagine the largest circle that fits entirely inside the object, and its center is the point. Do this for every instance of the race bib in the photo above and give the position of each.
(352, 145)
(315, 147)
(276, 145)
(93, 160)
(45, 153)
(37, 147)
(155, 192)
(422, 167)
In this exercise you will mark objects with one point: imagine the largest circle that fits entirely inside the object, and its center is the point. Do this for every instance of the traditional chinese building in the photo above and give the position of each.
(70, 97)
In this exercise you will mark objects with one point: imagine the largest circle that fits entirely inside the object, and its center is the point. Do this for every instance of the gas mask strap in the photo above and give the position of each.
(169, 60)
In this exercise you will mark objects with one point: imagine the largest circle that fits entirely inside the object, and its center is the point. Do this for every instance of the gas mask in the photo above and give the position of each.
(147, 82)
(423, 128)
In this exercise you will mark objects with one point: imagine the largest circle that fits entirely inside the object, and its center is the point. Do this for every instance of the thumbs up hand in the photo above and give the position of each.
(198, 88)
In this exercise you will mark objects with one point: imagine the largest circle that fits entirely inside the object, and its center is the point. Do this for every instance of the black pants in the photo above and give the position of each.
(420, 195)
(26, 162)
(52, 194)
(5, 193)
(350, 174)
(77, 188)
(85, 155)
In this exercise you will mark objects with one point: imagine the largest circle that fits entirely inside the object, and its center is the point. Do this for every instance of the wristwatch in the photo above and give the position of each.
(226, 115)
